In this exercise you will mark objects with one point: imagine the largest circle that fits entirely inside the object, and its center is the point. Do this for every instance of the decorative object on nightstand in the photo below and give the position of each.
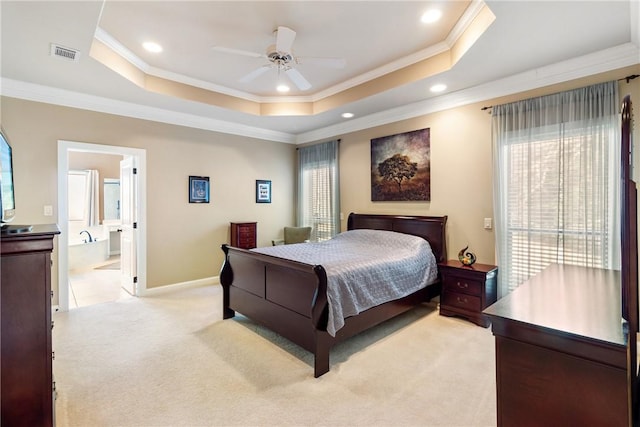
(466, 258)
(243, 234)
(467, 290)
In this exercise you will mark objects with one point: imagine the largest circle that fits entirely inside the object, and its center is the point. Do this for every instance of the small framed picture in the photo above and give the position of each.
(263, 191)
(198, 189)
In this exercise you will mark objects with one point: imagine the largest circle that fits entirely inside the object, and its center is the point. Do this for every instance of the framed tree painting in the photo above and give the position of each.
(401, 167)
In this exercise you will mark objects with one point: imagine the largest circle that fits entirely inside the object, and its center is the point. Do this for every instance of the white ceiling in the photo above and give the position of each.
(529, 44)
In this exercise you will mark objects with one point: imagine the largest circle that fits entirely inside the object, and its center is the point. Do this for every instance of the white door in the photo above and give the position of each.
(129, 234)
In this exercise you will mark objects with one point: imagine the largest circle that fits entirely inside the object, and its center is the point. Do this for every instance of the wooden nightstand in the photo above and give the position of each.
(243, 235)
(466, 291)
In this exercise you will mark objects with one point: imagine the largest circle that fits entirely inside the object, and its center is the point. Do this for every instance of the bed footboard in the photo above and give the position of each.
(288, 297)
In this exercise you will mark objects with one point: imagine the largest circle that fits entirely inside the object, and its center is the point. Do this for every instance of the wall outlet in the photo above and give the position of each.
(48, 210)
(487, 224)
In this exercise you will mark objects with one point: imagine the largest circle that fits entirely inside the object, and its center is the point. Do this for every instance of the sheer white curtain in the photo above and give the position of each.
(556, 180)
(319, 189)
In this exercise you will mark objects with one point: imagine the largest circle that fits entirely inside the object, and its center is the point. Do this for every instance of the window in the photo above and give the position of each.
(318, 190)
(556, 182)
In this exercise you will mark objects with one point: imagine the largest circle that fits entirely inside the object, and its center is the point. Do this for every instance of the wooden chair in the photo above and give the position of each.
(294, 235)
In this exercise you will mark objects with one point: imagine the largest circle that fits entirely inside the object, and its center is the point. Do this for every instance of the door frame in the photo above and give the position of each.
(140, 155)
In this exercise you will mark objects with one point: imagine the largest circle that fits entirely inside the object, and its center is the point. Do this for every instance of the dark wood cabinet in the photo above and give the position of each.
(467, 290)
(243, 234)
(561, 350)
(26, 373)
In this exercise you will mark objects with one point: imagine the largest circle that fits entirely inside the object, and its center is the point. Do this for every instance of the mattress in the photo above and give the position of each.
(365, 268)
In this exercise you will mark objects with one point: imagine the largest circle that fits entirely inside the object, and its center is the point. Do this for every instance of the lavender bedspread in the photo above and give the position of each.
(365, 268)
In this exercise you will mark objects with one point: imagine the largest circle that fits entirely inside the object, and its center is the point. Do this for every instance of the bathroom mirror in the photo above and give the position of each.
(111, 194)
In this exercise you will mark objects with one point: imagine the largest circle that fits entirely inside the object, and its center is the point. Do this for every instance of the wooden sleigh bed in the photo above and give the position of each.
(290, 297)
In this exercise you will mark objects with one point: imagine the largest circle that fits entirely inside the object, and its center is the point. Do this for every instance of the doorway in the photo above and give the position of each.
(100, 278)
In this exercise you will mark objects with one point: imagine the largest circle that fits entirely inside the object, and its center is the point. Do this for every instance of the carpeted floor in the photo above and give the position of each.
(169, 360)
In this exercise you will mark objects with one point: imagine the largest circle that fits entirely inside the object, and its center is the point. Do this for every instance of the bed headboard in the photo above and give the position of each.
(430, 228)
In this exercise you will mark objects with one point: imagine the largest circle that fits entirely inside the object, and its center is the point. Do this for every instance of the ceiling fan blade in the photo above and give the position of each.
(325, 62)
(255, 73)
(298, 79)
(238, 52)
(284, 39)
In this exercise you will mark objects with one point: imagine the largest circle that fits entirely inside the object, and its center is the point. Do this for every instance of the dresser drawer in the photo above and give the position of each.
(246, 233)
(244, 241)
(463, 301)
(453, 283)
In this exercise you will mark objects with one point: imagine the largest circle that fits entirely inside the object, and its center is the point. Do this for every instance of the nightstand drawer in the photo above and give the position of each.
(463, 301)
(466, 291)
(462, 284)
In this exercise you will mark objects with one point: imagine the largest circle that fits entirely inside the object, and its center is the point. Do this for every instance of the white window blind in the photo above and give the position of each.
(318, 190)
(556, 182)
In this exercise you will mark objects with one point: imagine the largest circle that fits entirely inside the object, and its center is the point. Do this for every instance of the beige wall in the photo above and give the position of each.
(183, 239)
(461, 166)
(461, 176)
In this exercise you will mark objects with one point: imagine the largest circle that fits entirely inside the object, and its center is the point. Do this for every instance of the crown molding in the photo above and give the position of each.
(39, 93)
(606, 60)
(465, 21)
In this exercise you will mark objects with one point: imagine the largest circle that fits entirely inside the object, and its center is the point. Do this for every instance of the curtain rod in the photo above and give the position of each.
(628, 79)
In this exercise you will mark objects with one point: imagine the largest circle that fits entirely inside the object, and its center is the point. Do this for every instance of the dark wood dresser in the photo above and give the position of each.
(561, 352)
(243, 235)
(26, 371)
(467, 290)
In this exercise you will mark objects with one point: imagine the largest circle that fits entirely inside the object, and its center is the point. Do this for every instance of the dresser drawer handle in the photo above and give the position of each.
(462, 300)
(464, 285)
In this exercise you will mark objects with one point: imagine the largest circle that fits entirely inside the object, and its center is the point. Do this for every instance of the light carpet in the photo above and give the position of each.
(170, 360)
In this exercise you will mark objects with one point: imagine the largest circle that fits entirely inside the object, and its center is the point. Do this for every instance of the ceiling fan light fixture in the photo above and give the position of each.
(282, 88)
(438, 88)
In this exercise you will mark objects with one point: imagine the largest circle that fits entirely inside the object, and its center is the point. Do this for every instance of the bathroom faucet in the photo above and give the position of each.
(88, 234)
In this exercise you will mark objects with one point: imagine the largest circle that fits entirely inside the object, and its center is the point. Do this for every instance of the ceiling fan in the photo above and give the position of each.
(281, 58)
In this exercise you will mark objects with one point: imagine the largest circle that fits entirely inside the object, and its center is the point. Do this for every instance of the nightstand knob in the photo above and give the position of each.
(462, 300)
(463, 285)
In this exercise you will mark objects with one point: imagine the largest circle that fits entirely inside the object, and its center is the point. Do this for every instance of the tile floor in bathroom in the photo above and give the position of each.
(97, 285)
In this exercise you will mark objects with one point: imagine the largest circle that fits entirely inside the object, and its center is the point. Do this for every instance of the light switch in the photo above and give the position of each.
(48, 210)
(487, 224)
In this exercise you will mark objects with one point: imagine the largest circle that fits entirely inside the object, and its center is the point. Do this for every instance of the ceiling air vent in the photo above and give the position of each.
(65, 53)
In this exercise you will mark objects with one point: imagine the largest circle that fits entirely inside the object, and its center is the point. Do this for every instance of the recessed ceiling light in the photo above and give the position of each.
(152, 47)
(282, 88)
(438, 88)
(431, 16)
(347, 115)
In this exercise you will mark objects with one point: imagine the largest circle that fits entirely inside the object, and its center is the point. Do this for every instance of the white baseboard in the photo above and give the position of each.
(215, 280)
